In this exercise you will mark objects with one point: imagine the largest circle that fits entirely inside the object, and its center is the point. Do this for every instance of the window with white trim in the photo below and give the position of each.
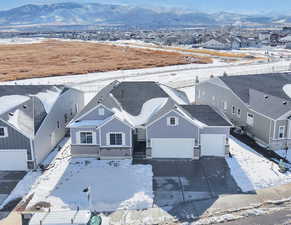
(3, 132)
(172, 121)
(250, 119)
(101, 111)
(86, 137)
(281, 133)
(115, 139)
(238, 113)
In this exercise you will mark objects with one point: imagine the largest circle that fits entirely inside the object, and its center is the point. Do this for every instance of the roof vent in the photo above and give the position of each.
(24, 106)
(266, 96)
(284, 103)
(11, 114)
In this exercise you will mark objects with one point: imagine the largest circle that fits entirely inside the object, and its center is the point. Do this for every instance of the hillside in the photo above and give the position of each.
(109, 14)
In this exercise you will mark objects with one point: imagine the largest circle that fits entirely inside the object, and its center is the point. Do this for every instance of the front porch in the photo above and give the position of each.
(101, 153)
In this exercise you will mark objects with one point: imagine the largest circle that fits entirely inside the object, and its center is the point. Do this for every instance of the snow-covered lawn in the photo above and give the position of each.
(252, 171)
(284, 154)
(113, 184)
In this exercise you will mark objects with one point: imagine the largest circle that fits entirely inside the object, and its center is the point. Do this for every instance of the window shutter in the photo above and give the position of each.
(5, 132)
(94, 138)
(78, 137)
(123, 138)
(177, 121)
(108, 139)
(168, 121)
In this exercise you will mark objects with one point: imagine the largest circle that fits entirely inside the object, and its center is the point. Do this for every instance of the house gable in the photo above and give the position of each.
(161, 129)
(15, 140)
(115, 126)
(100, 112)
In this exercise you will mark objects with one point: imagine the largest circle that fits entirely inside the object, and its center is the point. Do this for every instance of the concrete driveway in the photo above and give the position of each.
(177, 181)
(8, 180)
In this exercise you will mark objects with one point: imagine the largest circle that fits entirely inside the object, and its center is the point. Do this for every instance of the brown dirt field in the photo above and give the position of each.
(56, 58)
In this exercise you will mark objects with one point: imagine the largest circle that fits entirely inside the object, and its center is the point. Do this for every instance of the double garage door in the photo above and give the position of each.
(172, 147)
(13, 160)
(211, 145)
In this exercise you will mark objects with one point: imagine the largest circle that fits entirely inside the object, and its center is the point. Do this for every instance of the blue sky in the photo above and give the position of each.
(246, 6)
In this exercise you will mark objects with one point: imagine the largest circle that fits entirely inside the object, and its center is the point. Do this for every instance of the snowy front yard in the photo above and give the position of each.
(114, 184)
(252, 171)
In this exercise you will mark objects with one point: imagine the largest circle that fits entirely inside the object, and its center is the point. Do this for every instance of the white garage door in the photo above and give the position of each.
(213, 145)
(13, 160)
(172, 148)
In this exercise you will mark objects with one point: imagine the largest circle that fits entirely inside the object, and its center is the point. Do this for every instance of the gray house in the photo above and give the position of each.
(32, 122)
(147, 119)
(259, 104)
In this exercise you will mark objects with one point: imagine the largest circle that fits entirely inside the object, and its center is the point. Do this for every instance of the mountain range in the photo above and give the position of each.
(109, 14)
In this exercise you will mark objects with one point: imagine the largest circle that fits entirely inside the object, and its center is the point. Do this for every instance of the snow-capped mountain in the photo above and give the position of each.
(74, 13)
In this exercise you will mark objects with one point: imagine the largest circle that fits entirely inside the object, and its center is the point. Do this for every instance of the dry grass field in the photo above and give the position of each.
(56, 58)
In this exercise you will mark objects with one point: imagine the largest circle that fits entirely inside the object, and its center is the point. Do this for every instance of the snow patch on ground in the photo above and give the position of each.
(22, 188)
(14, 41)
(285, 154)
(29, 181)
(252, 171)
(114, 184)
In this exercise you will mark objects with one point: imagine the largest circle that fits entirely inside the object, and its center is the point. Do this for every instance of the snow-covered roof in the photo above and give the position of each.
(11, 101)
(49, 97)
(178, 96)
(86, 123)
(26, 106)
(287, 90)
(148, 111)
(137, 103)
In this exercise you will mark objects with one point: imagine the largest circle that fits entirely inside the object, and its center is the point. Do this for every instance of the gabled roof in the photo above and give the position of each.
(25, 107)
(132, 95)
(26, 90)
(271, 84)
(206, 115)
(137, 103)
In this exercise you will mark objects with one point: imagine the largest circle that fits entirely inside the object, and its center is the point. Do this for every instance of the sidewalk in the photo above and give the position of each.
(194, 210)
